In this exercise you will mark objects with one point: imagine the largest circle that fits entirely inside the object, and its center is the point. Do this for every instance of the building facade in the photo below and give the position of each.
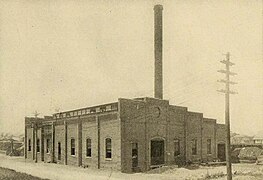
(130, 135)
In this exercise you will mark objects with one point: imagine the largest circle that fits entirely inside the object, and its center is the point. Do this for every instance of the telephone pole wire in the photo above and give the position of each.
(227, 92)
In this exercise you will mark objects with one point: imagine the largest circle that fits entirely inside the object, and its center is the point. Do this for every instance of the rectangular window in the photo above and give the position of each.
(103, 109)
(108, 108)
(194, 147)
(87, 111)
(88, 147)
(134, 155)
(209, 148)
(108, 148)
(176, 147)
(29, 144)
(38, 145)
(48, 146)
(75, 113)
(59, 151)
(73, 147)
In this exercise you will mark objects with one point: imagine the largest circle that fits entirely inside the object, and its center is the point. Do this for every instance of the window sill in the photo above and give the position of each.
(88, 157)
(73, 155)
(108, 159)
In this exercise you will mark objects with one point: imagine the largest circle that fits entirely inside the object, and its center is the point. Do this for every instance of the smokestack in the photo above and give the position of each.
(158, 51)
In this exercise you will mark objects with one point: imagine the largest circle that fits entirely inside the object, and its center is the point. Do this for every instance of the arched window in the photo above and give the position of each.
(29, 144)
(194, 147)
(209, 146)
(108, 148)
(73, 147)
(88, 147)
(38, 145)
(176, 147)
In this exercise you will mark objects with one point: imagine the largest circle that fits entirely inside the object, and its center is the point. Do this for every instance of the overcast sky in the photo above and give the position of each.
(70, 54)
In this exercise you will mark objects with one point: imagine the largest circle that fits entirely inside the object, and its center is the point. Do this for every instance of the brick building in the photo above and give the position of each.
(129, 135)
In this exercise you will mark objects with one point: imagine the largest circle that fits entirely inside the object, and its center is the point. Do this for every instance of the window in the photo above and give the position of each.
(88, 147)
(108, 108)
(176, 147)
(103, 109)
(29, 144)
(59, 151)
(194, 147)
(108, 148)
(87, 111)
(209, 149)
(134, 155)
(38, 145)
(114, 107)
(48, 146)
(72, 145)
(75, 113)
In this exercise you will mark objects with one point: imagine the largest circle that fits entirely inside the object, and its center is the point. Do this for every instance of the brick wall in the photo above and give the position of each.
(193, 131)
(110, 128)
(59, 138)
(209, 133)
(89, 130)
(72, 134)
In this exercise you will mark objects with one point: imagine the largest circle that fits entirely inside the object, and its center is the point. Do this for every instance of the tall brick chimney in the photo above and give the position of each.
(158, 51)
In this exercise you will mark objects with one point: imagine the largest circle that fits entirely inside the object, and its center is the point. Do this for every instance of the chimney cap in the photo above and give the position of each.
(158, 7)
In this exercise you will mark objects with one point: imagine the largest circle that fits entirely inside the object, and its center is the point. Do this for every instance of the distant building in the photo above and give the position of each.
(238, 139)
(258, 140)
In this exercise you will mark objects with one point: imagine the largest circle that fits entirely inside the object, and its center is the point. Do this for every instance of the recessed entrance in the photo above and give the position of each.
(157, 152)
(221, 152)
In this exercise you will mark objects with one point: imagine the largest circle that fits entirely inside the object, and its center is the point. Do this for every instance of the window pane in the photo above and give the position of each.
(176, 147)
(29, 144)
(209, 148)
(194, 146)
(47, 146)
(38, 145)
(72, 144)
(88, 147)
(108, 148)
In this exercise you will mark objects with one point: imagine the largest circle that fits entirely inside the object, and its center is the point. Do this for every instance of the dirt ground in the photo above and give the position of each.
(62, 172)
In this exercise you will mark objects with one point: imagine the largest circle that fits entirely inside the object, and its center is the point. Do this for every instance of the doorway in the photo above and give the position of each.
(221, 152)
(157, 152)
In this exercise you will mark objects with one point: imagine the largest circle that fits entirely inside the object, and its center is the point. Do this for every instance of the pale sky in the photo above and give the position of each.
(70, 54)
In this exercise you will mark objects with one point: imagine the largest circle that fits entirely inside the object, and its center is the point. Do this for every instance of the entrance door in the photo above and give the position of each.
(157, 152)
(221, 152)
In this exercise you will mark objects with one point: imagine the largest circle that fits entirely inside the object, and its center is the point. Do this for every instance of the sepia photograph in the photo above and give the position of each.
(131, 90)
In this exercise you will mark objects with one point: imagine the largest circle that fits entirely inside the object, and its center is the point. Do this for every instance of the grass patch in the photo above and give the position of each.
(13, 175)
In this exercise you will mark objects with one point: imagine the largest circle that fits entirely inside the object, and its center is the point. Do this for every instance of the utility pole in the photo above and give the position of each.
(227, 92)
(36, 141)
